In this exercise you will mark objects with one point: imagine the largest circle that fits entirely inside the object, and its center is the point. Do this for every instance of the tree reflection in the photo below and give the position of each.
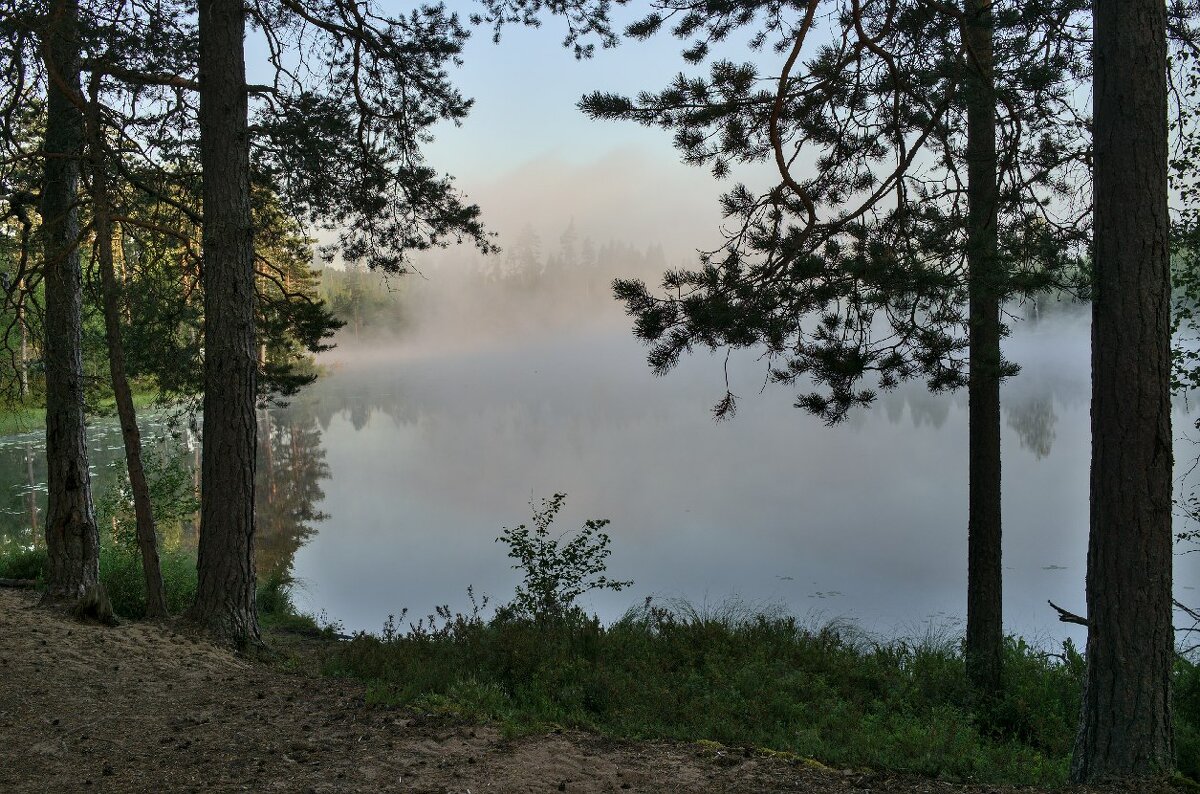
(1034, 420)
(1029, 412)
(291, 467)
(20, 502)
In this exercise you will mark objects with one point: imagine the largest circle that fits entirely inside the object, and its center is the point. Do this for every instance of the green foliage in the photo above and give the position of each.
(850, 273)
(738, 676)
(366, 303)
(274, 594)
(342, 138)
(557, 570)
(1185, 224)
(1187, 717)
(23, 563)
(21, 417)
(1032, 705)
(122, 575)
(173, 496)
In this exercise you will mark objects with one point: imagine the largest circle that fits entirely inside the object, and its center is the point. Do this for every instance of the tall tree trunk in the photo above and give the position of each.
(1125, 728)
(72, 539)
(147, 538)
(985, 630)
(225, 593)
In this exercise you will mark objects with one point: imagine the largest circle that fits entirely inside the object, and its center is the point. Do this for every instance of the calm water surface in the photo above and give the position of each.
(430, 450)
(385, 484)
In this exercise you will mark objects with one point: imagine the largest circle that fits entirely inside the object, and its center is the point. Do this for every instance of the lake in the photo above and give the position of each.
(385, 484)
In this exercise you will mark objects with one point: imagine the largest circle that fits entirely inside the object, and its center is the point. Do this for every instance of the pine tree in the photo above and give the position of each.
(1126, 724)
(930, 160)
(72, 538)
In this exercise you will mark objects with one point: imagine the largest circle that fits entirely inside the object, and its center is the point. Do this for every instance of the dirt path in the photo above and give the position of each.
(140, 708)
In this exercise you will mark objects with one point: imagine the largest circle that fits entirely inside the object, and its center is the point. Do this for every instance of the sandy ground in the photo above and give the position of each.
(140, 708)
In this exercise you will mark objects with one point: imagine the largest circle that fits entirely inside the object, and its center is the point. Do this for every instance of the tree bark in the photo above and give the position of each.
(72, 539)
(225, 594)
(1125, 727)
(147, 537)
(985, 628)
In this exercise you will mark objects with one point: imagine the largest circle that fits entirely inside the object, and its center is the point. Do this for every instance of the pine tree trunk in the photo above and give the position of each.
(147, 538)
(225, 593)
(985, 629)
(1125, 728)
(72, 539)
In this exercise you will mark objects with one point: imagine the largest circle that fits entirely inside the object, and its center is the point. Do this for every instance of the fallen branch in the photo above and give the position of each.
(1067, 617)
(26, 583)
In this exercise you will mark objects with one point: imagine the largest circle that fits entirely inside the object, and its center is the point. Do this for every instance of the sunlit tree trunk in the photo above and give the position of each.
(1125, 729)
(985, 633)
(225, 592)
(72, 539)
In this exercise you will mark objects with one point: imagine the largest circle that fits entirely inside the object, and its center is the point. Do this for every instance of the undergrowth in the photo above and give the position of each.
(122, 577)
(734, 674)
(739, 677)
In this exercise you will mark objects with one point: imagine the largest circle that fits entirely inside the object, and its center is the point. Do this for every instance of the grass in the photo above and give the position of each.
(735, 675)
(121, 574)
(21, 418)
(747, 679)
(30, 415)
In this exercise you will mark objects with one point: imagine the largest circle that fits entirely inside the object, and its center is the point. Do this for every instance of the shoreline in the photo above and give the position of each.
(147, 708)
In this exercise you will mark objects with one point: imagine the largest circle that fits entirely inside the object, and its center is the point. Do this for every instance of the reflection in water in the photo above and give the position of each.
(291, 466)
(1034, 422)
(432, 449)
(1050, 347)
(384, 485)
(23, 495)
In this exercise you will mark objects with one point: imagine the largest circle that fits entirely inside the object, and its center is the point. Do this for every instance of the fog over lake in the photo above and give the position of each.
(385, 484)
(435, 441)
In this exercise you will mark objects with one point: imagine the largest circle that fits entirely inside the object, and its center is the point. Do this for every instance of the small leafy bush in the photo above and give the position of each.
(557, 570)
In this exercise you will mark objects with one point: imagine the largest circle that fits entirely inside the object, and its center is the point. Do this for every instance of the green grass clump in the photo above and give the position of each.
(737, 677)
(23, 563)
(120, 573)
(276, 607)
(21, 417)
(122, 577)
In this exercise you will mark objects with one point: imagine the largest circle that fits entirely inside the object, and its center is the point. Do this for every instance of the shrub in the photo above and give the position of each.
(22, 563)
(557, 570)
(121, 573)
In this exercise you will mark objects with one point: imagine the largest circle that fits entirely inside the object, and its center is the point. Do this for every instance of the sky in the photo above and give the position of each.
(525, 90)
(529, 157)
